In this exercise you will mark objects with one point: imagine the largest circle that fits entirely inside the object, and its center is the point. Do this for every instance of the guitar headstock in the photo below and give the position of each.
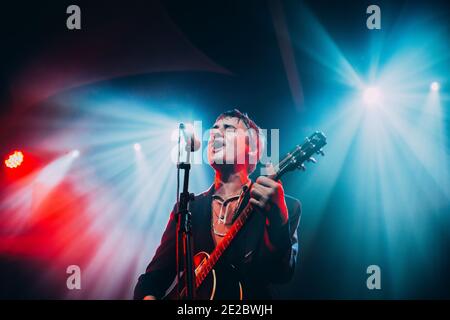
(302, 153)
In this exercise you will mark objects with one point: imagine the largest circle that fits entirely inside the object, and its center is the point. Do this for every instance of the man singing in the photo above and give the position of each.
(265, 250)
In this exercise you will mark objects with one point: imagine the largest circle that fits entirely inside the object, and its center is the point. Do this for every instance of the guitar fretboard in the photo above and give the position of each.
(293, 160)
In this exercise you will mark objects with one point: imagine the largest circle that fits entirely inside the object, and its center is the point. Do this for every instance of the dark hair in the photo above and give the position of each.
(235, 113)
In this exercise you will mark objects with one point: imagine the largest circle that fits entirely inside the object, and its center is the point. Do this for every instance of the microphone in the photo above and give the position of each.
(192, 142)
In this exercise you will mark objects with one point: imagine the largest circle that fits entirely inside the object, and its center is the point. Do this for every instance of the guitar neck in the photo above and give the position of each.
(293, 160)
(223, 245)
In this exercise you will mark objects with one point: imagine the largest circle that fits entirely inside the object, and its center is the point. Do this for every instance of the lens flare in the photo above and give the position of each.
(435, 86)
(372, 96)
(14, 160)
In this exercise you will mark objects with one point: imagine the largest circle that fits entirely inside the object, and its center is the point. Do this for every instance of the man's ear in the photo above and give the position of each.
(253, 154)
(258, 148)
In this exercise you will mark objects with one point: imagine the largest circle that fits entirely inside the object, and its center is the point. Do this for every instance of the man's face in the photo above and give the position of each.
(227, 143)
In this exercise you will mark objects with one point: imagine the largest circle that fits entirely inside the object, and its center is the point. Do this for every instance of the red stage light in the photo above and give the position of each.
(14, 160)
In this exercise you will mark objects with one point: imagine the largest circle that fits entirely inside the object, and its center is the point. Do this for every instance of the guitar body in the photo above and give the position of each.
(214, 287)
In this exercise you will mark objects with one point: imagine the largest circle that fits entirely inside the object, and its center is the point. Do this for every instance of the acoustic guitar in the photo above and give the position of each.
(207, 281)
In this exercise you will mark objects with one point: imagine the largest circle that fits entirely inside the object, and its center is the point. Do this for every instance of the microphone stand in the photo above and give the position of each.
(184, 230)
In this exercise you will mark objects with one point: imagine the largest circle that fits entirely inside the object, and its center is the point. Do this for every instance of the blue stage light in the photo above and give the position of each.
(75, 153)
(372, 95)
(137, 147)
(435, 86)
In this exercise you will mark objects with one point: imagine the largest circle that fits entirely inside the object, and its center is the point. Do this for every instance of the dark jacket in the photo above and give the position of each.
(258, 264)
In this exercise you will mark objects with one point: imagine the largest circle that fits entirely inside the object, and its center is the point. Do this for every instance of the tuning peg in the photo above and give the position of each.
(320, 152)
(311, 159)
(302, 167)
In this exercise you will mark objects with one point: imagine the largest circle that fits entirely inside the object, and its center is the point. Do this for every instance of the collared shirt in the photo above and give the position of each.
(223, 213)
(265, 267)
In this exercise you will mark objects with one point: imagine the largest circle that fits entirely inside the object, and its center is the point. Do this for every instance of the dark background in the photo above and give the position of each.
(222, 54)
